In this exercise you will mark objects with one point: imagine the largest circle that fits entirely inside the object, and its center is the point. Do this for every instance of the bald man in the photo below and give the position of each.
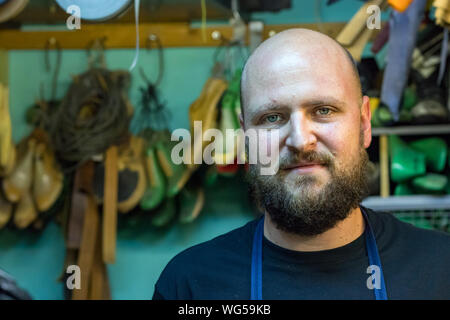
(314, 240)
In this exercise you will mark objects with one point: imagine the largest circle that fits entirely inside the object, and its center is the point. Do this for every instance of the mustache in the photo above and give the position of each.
(293, 158)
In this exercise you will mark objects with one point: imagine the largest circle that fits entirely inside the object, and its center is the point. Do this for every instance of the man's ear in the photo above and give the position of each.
(366, 116)
(241, 120)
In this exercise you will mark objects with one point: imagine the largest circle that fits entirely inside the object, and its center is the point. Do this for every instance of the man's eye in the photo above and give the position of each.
(273, 118)
(323, 111)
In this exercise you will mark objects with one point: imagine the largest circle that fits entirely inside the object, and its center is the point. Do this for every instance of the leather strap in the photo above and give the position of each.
(99, 286)
(87, 248)
(79, 204)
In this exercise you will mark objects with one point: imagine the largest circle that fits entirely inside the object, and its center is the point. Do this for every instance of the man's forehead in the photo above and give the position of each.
(295, 40)
(295, 72)
(285, 56)
(307, 55)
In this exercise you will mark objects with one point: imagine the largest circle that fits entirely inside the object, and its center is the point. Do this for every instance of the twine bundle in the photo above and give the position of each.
(92, 117)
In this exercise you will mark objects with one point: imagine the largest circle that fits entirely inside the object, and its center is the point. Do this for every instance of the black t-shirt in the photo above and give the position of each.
(415, 263)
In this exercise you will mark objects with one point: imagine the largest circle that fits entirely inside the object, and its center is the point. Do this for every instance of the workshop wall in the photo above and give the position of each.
(36, 260)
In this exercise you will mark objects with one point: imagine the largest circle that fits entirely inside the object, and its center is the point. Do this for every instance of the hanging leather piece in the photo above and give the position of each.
(442, 12)
(204, 109)
(156, 190)
(131, 162)
(110, 205)
(7, 148)
(176, 174)
(48, 180)
(70, 259)
(192, 200)
(85, 246)
(72, 222)
(79, 203)
(355, 35)
(25, 212)
(19, 181)
(90, 225)
(5, 211)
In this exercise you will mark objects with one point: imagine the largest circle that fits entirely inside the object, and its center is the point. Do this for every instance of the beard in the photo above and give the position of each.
(296, 207)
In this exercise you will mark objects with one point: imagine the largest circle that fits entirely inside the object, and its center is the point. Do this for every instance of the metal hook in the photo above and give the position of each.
(227, 62)
(224, 44)
(235, 9)
(52, 42)
(148, 44)
(98, 46)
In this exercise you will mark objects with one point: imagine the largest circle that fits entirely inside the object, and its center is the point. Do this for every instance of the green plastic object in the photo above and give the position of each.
(234, 86)
(164, 214)
(191, 204)
(406, 163)
(176, 174)
(435, 151)
(228, 121)
(382, 117)
(403, 189)
(405, 116)
(211, 176)
(156, 190)
(430, 183)
(409, 99)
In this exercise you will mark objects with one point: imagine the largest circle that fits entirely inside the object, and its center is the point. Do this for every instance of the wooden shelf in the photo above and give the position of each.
(408, 203)
(412, 130)
(123, 35)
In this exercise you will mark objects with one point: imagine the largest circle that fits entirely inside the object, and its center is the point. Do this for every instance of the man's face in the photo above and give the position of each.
(310, 99)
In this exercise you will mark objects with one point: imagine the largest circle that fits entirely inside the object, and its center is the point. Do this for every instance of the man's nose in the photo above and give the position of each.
(301, 134)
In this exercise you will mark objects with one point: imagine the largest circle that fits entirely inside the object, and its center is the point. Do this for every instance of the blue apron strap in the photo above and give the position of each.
(256, 269)
(374, 258)
(256, 277)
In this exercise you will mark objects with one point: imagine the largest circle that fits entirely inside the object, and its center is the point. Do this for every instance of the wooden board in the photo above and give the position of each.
(4, 67)
(384, 167)
(87, 250)
(123, 35)
(99, 286)
(110, 205)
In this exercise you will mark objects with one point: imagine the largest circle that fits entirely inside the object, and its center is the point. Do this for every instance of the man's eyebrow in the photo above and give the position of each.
(324, 101)
(318, 101)
(265, 108)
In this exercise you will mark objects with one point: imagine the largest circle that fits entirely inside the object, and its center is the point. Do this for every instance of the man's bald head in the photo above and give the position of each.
(314, 48)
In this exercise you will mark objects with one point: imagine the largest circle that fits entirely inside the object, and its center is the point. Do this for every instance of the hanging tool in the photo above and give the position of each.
(110, 205)
(402, 40)
(152, 113)
(355, 35)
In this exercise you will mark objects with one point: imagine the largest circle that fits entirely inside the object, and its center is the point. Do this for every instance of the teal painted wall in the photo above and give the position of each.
(36, 260)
